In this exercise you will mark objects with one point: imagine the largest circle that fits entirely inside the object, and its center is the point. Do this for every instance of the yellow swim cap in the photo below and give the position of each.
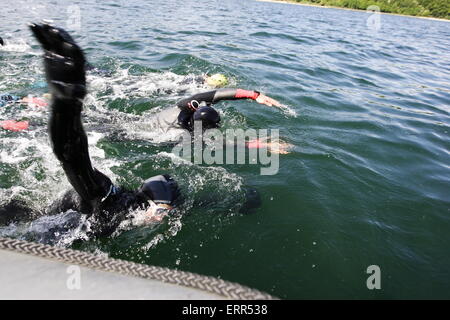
(217, 80)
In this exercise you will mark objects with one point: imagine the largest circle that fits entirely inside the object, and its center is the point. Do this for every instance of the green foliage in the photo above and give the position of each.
(433, 8)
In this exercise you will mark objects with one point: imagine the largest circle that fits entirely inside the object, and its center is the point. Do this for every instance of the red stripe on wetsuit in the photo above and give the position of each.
(246, 94)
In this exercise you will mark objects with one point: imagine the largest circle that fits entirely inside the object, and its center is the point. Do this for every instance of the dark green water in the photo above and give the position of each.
(367, 182)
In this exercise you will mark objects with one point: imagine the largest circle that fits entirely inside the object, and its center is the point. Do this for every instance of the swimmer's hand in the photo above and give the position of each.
(268, 101)
(63, 60)
(34, 101)
(277, 146)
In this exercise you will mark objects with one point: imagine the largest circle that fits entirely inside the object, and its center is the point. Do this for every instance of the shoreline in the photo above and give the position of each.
(358, 10)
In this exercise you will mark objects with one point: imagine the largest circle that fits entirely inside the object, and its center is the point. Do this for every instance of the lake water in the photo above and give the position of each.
(367, 181)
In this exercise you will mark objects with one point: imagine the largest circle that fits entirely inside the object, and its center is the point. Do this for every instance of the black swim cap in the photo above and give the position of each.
(1, 41)
(208, 116)
(160, 189)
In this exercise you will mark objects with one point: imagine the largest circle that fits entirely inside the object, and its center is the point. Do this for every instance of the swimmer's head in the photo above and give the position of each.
(1, 41)
(159, 193)
(209, 117)
(162, 189)
(217, 80)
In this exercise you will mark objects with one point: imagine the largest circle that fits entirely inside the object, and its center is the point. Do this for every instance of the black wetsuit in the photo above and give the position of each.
(185, 118)
(94, 193)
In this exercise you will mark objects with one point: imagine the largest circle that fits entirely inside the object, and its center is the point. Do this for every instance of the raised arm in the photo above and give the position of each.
(65, 72)
(191, 103)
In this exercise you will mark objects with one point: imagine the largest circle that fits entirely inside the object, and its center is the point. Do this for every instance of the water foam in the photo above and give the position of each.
(41, 179)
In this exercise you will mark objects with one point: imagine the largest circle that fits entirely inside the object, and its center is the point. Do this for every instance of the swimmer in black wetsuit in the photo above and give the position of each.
(1, 42)
(198, 106)
(94, 193)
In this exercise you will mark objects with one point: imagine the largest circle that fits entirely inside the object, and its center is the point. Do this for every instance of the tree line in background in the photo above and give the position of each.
(426, 8)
